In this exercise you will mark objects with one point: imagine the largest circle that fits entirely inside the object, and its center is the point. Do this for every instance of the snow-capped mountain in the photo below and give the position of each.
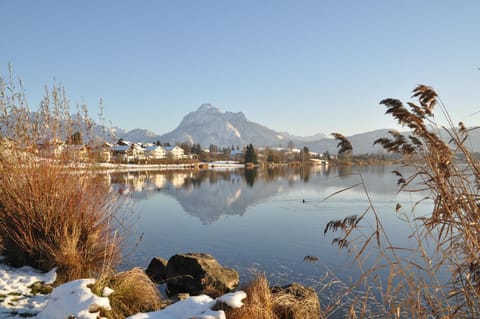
(210, 125)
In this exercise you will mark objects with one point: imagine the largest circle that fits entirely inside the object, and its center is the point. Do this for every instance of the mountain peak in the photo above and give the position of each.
(208, 107)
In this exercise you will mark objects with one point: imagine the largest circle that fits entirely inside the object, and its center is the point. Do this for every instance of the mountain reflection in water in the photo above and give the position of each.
(211, 194)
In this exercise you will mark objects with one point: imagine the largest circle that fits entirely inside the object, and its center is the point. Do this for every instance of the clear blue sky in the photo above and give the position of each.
(304, 67)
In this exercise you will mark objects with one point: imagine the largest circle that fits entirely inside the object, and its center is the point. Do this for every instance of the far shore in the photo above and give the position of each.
(165, 167)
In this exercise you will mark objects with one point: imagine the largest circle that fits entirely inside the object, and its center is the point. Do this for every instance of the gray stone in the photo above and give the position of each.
(198, 273)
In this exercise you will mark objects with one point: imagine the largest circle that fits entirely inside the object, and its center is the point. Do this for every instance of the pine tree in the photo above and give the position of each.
(250, 154)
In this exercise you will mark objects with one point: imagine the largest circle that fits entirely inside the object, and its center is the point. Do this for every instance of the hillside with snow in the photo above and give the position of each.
(210, 125)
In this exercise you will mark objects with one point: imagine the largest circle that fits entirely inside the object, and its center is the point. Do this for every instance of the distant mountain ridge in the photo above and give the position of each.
(210, 125)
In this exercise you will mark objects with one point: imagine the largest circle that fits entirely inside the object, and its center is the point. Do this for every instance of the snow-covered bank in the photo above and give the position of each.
(16, 298)
(75, 299)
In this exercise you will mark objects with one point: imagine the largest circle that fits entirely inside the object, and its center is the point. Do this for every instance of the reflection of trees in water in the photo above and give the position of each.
(344, 170)
(347, 170)
(210, 194)
(250, 176)
(271, 174)
(305, 172)
(139, 181)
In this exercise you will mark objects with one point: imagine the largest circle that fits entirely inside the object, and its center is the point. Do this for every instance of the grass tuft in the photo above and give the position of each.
(258, 304)
(133, 292)
(263, 302)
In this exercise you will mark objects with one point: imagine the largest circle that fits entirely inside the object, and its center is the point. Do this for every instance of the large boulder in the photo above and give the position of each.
(157, 270)
(198, 273)
(296, 302)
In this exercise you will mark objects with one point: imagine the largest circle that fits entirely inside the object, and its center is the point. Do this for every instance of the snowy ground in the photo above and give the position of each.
(75, 299)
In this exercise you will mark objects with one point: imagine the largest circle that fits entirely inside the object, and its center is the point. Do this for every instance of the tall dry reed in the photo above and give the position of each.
(447, 236)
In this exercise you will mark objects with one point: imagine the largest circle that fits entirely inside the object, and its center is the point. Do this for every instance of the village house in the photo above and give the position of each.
(103, 152)
(53, 148)
(77, 152)
(155, 152)
(135, 153)
(128, 152)
(175, 152)
(119, 152)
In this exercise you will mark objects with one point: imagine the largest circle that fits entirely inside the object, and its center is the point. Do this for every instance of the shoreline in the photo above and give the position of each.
(169, 167)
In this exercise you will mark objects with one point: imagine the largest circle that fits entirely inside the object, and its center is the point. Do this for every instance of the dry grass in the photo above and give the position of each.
(292, 303)
(133, 292)
(262, 303)
(53, 217)
(53, 212)
(448, 237)
(259, 303)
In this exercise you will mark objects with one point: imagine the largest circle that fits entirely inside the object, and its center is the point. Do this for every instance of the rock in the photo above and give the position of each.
(296, 302)
(198, 273)
(157, 270)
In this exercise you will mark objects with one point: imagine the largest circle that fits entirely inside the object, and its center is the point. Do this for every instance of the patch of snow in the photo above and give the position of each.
(233, 300)
(18, 298)
(230, 127)
(74, 298)
(107, 291)
(195, 307)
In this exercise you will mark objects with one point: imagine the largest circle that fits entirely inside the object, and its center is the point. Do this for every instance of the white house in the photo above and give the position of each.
(104, 152)
(175, 152)
(120, 152)
(126, 153)
(155, 152)
(135, 153)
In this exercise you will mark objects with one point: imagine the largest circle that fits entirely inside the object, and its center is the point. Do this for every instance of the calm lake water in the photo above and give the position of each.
(260, 221)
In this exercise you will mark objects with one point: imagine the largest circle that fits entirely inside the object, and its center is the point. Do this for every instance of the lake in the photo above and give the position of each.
(263, 220)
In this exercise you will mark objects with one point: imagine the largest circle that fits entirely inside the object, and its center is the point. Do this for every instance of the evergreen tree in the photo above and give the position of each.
(250, 154)
(213, 148)
(196, 148)
(305, 154)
